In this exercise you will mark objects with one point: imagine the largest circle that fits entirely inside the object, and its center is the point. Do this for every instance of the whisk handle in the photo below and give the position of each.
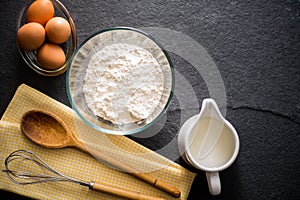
(121, 192)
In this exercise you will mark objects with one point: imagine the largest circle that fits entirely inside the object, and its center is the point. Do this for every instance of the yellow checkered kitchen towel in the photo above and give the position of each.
(80, 165)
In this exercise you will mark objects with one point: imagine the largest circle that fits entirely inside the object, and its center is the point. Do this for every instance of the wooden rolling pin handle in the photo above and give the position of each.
(121, 192)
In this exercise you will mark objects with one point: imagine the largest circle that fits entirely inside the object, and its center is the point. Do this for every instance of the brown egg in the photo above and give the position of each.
(31, 36)
(40, 11)
(58, 30)
(51, 56)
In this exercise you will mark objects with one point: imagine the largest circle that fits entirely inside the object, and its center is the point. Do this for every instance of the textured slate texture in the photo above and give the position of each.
(256, 48)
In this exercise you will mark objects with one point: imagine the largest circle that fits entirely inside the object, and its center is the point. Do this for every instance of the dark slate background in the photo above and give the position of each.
(256, 47)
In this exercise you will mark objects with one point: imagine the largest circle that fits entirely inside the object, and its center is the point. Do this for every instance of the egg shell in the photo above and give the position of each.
(40, 11)
(58, 30)
(51, 56)
(31, 36)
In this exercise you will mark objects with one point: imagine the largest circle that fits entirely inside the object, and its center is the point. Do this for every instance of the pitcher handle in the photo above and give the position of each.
(214, 183)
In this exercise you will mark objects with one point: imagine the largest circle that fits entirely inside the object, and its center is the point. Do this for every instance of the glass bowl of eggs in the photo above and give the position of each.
(46, 36)
(120, 80)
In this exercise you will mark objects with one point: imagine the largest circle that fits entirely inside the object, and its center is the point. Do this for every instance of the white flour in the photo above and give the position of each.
(123, 83)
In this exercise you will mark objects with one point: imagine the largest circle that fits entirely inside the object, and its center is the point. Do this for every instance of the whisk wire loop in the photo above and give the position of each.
(25, 177)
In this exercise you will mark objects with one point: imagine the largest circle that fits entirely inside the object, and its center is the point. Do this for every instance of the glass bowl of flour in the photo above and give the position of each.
(120, 81)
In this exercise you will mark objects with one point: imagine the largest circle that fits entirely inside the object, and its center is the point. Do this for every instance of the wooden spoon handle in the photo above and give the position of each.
(131, 170)
(121, 192)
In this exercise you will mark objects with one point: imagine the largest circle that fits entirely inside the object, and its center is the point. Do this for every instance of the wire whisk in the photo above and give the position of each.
(27, 177)
(17, 160)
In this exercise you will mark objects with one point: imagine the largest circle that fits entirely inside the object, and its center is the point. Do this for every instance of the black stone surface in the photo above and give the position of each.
(256, 48)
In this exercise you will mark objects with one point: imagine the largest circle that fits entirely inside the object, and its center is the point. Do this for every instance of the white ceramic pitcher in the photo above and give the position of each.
(208, 142)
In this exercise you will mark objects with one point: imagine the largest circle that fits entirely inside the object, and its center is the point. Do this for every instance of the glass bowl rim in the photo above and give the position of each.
(165, 107)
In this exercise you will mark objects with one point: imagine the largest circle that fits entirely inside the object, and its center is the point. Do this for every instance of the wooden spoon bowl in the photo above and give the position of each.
(48, 130)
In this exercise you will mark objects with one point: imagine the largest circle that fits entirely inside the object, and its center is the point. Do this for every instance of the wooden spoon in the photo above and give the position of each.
(50, 131)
